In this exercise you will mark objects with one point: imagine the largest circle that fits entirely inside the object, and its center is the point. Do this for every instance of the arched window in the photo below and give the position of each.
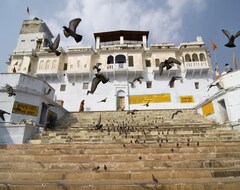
(187, 58)
(110, 59)
(202, 57)
(47, 64)
(41, 65)
(54, 64)
(120, 59)
(195, 57)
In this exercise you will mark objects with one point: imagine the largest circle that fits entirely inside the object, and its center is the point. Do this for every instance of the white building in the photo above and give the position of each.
(124, 55)
(224, 106)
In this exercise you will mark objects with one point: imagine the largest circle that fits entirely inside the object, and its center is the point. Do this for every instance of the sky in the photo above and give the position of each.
(174, 21)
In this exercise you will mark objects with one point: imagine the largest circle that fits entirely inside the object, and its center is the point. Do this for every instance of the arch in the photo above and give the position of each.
(47, 64)
(195, 57)
(110, 59)
(41, 65)
(202, 57)
(120, 58)
(120, 100)
(120, 93)
(54, 64)
(187, 58)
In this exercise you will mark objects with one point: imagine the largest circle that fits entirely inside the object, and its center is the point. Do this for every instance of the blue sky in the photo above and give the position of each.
(167, 21)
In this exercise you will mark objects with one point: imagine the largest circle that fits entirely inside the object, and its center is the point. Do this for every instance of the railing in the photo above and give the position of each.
(196, 65)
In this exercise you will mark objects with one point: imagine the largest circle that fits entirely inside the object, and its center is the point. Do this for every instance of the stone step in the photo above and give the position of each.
(196, 184)
(16, 175)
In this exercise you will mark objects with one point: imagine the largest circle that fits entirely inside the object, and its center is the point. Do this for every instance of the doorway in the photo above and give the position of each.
(120, 100)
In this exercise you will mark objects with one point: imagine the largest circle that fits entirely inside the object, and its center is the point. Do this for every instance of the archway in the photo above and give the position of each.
(120, 100)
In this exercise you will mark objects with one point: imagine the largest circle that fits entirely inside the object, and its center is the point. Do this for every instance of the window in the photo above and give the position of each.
(195, 57)
(110, 59)
(32, 40)
(149, 84)
(63, 87)
(196, 85)
(148, 63)
(157, 62)
(22, 40)
(187, 58)
(202, 57)
(120, 59)
(130, 61)
(65, 67)
(85, 85)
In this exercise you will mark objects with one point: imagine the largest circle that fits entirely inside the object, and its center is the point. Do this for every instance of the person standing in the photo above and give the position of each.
(82, 106)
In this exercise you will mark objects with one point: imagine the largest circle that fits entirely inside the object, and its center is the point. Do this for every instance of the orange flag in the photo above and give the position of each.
(213, 45)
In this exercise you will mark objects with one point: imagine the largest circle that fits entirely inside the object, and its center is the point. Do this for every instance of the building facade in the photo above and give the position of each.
(124, 55)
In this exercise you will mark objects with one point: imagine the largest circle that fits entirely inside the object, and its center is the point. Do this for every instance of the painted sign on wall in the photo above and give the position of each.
(208, 109)
(186, 99)
(25, 109)
(153, 98)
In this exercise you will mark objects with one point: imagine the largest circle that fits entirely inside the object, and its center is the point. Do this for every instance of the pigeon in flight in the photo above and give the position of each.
(96, 66)
(136, 79)
(217, 84)
(53, 46)
(231, 38)
(175, 113)
(103, 100)
(147, 104)
(2, 112)
(96, 80)
(71, 30)
(171, 82)
(154, 179)
(168, 63)
(10, 90)
(99, 125)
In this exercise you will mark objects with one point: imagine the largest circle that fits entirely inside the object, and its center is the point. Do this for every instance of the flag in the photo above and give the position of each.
(235, 68)
(213, 45)
(28, 10)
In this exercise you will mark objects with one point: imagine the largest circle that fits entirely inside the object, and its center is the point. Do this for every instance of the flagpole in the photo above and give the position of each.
(235, 66)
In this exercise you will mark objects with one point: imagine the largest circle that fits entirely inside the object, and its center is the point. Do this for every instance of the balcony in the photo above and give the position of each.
(197, 68)
(48, 67)
(75, 72)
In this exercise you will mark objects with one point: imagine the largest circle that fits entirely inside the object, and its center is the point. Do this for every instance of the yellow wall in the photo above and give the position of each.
(154, 98)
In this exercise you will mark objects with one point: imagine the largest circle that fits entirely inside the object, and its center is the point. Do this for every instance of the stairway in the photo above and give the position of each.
(186, 152)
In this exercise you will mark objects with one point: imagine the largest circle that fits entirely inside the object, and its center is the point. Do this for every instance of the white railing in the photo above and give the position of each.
(196, 65)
